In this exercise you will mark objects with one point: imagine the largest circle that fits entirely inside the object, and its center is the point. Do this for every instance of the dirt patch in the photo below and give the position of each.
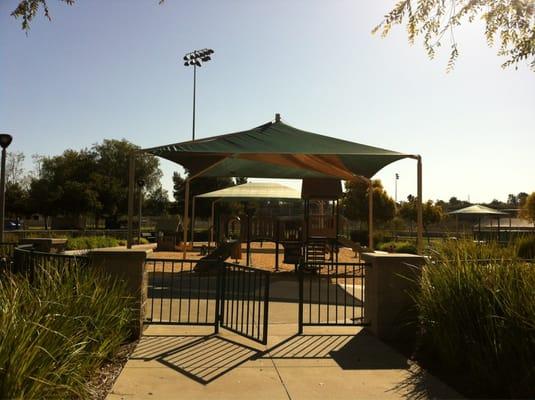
(102, 382)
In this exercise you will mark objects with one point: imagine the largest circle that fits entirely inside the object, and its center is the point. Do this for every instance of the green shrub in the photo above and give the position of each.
(526, 248)
(91, 242)
(399, 247)
(471, 250)
(57, 330)
(478, 321)
(361, 236)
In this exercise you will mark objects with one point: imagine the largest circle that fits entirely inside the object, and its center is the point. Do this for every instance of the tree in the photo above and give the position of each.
(110, 177)
(157, 202)
(431, 213)
(497, 204)
(528, 209)
(15, 167)
(355, 201)
(42, 198)
(64, 185)
(511, 22)
(16, 200)
(28, 9)
(91, 181)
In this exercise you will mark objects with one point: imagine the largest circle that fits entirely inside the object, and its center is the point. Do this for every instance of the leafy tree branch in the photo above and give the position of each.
(509, 22)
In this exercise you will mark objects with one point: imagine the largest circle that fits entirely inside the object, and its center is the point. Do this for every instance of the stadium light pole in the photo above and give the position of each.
(195, 59)
(5, 140)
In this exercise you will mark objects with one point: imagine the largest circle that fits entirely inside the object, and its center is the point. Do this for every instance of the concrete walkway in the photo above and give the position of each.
(329, 363)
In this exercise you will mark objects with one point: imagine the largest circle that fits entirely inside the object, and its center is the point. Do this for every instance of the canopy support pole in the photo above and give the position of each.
(131, 178)
(185, 223)
(370, 215)
(419, 211)
(193, 222)
(248, 232)
(186, 203)
(212, 221)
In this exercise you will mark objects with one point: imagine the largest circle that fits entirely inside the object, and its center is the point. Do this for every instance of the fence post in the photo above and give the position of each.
(301, 283)
(391, 280)
(266, 309)
(128, 266)
(219, 300)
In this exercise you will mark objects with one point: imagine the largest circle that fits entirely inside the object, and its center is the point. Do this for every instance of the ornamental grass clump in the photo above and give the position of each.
(478, 320)
(57, 328)
(91, 242)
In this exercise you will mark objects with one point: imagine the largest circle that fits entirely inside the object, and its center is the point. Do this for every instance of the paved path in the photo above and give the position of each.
(328, 363)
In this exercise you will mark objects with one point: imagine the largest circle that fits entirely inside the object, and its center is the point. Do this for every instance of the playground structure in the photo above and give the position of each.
(275, 213)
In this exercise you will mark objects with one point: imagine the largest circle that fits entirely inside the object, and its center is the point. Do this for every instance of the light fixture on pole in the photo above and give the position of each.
(140, 184)
(5, 141)
(196, 58)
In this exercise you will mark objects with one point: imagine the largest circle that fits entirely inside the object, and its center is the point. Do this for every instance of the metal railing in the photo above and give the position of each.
(7, 250)
(245, 301)
(331, 293)
(184, 292)
(208, 292)
(26, 260)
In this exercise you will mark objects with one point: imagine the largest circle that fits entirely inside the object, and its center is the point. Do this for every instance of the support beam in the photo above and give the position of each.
(131, 179)
(370, 214)
(419, 210)
(212, 225)
(193, 222)
(185, 223)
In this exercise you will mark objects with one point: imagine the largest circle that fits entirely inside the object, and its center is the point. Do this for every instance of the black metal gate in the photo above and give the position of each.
(202, 292)
(331, 294)
(245, 301)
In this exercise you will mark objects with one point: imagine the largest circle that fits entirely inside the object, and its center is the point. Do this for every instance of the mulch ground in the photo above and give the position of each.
(102, 382)
(262, 257)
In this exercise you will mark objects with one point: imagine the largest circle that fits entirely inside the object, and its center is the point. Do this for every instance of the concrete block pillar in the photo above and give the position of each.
(390, 280)
(128, 266)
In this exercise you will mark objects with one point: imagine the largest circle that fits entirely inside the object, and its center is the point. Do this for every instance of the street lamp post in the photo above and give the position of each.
(5, 140)
(196, 58)
(140, 184)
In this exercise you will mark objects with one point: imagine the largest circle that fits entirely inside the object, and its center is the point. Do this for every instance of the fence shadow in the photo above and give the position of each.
(201, 358)
(420, 385)
(350, 352)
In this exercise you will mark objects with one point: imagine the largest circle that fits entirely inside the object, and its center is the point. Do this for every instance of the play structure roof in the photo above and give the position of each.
(277, 150)
(477, 209)
(254, 190)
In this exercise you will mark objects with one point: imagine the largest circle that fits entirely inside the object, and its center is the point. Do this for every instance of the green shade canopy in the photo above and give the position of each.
(277, 150)
(254, 190)
(477, 209)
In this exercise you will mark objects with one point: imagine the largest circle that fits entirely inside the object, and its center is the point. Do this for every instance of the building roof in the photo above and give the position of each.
(477, 209)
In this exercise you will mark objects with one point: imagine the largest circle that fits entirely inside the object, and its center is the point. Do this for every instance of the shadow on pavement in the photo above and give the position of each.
(360, 351)
(205, 358)
(201, 358)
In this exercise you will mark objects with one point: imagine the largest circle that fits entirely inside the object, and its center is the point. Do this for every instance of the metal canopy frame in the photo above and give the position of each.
(202, 172)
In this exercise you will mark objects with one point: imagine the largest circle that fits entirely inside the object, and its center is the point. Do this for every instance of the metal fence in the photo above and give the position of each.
(182, 292)
(331, 294)
(26, 260)
(208, 292)
(7, 251)
(245, 301)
